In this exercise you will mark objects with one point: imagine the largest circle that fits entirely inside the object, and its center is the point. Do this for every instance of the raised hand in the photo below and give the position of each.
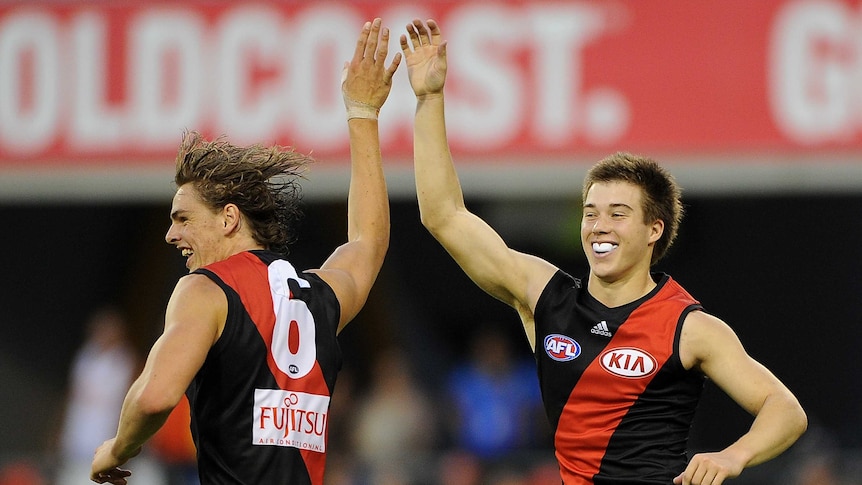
(366, 81)
(425, 54)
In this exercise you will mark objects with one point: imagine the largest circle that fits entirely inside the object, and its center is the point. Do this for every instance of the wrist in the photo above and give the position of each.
(358, 109)
(429, 96)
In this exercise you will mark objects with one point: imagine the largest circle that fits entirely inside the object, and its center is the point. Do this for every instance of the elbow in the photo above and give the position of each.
(156, 407)
(375, 237)
(433, 221)
(427, 221)
(151, 403)
(382, 247)
(795, 420)
(800, 422)
(798, 419)
(435, 214)
(380, 241)
(374, 249)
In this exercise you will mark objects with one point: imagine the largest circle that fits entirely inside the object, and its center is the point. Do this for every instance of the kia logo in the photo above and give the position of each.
(628, 362)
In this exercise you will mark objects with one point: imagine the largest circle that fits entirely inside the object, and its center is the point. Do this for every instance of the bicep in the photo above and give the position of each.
(194, 318)
(711, 345)
(351, 273)
(513, 277)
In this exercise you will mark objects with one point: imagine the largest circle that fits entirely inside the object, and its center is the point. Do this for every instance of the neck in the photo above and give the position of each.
(618, 292)
(239, 244)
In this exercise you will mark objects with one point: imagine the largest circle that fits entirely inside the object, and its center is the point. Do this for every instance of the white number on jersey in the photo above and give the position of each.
(293, 339)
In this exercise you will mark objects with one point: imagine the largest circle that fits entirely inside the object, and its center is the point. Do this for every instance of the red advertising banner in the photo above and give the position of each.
(94, 84)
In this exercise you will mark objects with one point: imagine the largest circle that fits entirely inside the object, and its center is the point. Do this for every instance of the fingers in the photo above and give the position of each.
(372, 39)
(701, 476)
(117, 476)
(434, 29)
(366, 79)
(428, 33)
(383, 49)
(417, 33)
(373, 42)
(405, 47)
(421, 34)
(390, 71)
(359, 52)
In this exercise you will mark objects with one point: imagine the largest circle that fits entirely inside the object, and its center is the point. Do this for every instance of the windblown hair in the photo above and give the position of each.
(263, 182)
(662, 196)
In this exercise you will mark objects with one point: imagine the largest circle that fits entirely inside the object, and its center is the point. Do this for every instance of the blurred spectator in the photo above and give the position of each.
(174, 448)
(545, 472)
(818, 470)
(498, 407)
(815, 459)
(394, 423)
(341, 462)
(21, 472)
(460, 468)
(101, 373)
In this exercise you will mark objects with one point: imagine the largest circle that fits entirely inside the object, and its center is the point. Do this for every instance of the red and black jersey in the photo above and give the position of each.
(614, 389)
(260, 402)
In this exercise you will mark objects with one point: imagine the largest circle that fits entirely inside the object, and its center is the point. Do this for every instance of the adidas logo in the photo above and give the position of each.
(601, 328)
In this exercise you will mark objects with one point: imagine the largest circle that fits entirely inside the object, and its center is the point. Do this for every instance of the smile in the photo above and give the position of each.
(605, 247)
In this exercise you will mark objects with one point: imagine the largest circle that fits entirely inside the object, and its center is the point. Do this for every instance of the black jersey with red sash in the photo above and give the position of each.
(614, 389)
(260, 402)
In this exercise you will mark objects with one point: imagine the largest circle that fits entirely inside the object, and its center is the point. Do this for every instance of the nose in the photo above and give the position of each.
(599, 226)
(170, 236)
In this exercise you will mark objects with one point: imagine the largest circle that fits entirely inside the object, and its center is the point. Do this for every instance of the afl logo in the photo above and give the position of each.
(561, 348)
(628, 362)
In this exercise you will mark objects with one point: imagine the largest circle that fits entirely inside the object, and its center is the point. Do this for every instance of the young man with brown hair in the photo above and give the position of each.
(249, 339)
(623, 353)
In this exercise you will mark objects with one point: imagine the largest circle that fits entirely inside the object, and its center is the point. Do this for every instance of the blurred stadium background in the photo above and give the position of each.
(756, 107)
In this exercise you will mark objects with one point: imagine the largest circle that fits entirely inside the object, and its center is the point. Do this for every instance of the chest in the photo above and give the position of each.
(625, 344)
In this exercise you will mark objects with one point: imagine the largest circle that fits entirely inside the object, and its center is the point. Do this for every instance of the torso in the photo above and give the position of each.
(260, 402)
(614, 388)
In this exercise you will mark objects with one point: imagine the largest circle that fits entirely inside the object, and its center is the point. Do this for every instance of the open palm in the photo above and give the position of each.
(425, 55)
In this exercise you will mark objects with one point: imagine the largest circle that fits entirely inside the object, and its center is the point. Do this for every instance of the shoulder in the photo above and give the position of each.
(701, 324)
(196, 284)
(558, 286)
(197, 294)
(561, 281)
(334, 280)
(704, 338)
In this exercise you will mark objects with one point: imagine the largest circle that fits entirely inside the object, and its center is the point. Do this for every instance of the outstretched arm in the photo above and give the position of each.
(193, 321)
(512, 277)
(710, 345)
(353, 267)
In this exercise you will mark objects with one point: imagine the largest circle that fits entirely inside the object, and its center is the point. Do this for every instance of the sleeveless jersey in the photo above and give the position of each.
(260, 402)
(616, 394)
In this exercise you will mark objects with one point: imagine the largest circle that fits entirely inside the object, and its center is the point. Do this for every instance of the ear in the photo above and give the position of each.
(656, 230)
(231, 218)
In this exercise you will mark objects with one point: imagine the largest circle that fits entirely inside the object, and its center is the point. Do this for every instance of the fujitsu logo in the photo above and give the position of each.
(289, 418)
(628, 362)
